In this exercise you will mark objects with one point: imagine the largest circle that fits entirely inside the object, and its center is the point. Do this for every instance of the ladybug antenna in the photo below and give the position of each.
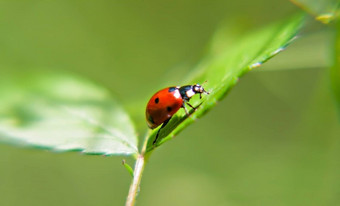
(203, 88)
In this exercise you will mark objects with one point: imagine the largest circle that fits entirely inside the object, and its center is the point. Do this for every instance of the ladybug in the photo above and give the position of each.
(166, 102)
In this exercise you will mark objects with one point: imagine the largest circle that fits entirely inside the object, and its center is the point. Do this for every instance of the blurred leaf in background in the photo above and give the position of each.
(335, 69)
(323, 10)
(62, 112)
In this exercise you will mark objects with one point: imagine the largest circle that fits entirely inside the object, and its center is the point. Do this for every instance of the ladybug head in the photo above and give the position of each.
(199, 89)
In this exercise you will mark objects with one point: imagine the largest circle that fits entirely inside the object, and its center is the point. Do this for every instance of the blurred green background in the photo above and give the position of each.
(275, 139)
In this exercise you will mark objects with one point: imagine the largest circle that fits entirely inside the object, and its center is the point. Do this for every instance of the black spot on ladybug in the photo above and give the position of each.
(169, 109)
(171, 89)
(157, 100)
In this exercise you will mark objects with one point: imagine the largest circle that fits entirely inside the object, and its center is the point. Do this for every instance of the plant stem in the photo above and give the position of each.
(137, 177)
(137, 174)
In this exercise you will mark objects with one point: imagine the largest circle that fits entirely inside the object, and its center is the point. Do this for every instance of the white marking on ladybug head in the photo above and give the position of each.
(177, 94)
(190, 93)
(198, 88)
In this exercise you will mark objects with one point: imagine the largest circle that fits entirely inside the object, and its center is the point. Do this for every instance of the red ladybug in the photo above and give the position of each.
(166, 102)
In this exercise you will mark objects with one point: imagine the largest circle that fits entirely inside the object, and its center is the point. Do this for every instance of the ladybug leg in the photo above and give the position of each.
(185, 109)
(194, 108)
(163, 125)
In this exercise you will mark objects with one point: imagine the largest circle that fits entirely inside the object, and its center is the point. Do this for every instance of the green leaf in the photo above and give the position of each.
(335, 69)
(225, 65)
(62, 112)
(324, 11)
(128, 167)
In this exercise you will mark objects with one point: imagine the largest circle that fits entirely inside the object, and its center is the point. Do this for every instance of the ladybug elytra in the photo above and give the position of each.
(166, 102)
